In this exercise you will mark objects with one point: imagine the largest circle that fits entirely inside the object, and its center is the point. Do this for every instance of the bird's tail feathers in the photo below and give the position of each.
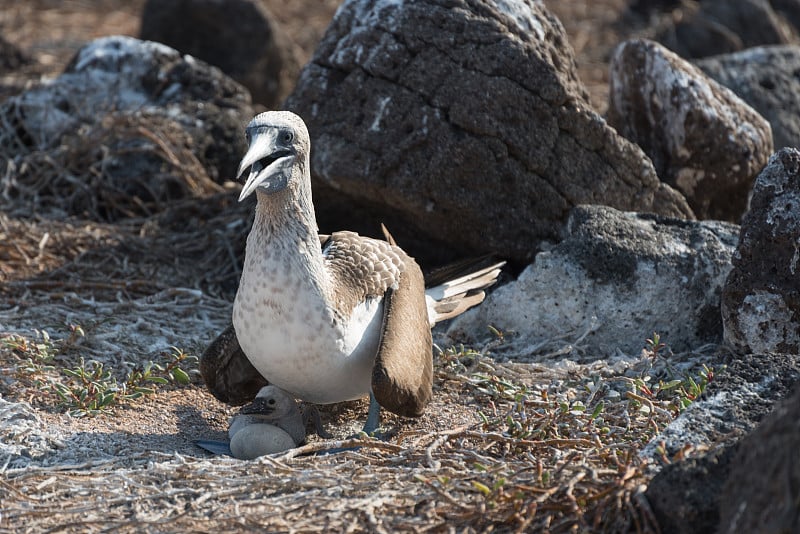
(455, 296)
(453, 289)
(386, 235)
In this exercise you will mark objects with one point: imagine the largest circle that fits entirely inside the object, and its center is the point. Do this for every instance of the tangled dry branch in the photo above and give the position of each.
(125, 165)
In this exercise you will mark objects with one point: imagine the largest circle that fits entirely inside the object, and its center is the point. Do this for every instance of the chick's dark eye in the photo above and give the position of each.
(288, 137)
(271, 401)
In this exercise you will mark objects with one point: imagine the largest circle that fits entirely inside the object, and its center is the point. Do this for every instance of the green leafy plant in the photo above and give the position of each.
(39, 351)
(88, 387)
(684, 389)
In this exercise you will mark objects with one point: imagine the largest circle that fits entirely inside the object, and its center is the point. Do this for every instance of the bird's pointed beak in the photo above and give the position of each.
(269, 165)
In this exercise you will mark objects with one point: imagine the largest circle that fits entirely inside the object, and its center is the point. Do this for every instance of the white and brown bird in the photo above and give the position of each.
(326, 318)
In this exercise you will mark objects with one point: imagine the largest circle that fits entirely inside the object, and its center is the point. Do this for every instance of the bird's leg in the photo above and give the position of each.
(311, 413)
(373, 416)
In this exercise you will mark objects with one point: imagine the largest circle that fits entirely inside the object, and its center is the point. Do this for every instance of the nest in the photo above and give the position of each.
(106, 262)
(496, 450)
(125, 165)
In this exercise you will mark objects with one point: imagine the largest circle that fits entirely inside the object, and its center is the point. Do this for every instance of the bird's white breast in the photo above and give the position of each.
(292, 337)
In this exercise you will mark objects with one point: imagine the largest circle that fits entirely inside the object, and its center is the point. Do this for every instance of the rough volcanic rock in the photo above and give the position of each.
(646, 7)
(714, 27)
(625, 275)
(466, 121)
(238, 36)
(754, 21)
(761, 299)
(743, 392)
(701, 137)
(691, 34)
(129, 126)
(11, 57)
(685, 495)
(763, 489)
(766, 78)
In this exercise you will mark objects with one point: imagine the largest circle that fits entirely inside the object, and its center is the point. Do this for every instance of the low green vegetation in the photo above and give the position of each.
(61, 377)
(679, 389)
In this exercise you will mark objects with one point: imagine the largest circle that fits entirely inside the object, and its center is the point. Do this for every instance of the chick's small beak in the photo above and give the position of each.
(259, 406)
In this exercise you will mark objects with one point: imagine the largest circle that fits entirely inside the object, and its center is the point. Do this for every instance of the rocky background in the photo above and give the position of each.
(634, 161)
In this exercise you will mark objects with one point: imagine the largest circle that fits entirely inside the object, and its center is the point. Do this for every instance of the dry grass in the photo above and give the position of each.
(506, 447)
(535, 457)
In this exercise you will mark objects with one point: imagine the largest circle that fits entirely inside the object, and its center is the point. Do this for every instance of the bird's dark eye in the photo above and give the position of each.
(271, 401)
(288, 137)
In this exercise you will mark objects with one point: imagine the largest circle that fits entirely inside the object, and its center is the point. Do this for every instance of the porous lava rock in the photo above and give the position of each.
(713, 27)
(761, 298)
(620, 277)
(766, 77)
(703, 445)
(762, 493)
(701, 137)
(240, 37)
(127, 128)
(464, 121)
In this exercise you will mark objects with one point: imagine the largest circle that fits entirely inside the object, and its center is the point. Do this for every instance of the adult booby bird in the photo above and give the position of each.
(326, 318)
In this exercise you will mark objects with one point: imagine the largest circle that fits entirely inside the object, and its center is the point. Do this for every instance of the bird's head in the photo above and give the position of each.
(277, 154)
(271, 402)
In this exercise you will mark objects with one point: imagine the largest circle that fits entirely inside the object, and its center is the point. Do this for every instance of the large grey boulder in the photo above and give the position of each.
(766, 78)
(761, 299)
(239, 36)
(702, 138)
(686, 495)
(129, 127)
(620, 277)
(762, 493)
(714, 27)
(465, 121)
